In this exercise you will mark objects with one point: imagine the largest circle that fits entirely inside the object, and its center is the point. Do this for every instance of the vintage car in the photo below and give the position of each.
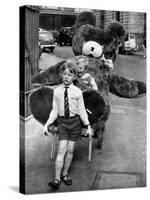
(129, 45)
(65, 36)
(46, 40)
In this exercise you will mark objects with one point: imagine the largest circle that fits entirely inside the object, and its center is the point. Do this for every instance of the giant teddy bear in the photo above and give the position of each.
(96, 102)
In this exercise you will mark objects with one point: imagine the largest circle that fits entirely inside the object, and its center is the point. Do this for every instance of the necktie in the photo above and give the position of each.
(66, 103)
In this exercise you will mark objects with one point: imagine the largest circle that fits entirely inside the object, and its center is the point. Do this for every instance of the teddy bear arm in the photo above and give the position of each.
(49, 76)
(77, 44)
(126, 88)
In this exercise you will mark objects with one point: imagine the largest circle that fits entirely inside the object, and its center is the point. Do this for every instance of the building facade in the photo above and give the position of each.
(134, 22)
(53, 18)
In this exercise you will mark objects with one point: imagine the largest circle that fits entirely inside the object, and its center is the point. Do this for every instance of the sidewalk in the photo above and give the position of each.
(46, 60)
(141, 53)
(124, 150)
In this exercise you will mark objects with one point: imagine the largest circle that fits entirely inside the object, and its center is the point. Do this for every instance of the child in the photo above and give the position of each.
(69, 123)
(86, 78)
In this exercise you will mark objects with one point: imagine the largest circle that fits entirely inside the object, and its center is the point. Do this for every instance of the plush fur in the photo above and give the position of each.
(41, 103)
(44, 77)
(85, 18)
(108, 38)
(116, 28)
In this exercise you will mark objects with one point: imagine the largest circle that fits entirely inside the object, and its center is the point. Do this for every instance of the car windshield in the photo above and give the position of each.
(68, 29)
(132, 36)
(46, 35)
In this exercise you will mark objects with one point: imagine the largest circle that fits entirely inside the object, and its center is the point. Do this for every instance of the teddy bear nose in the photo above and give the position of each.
(92, 48)
(91, 55)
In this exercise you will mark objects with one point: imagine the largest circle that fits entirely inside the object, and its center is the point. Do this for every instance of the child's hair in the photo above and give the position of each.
(71, 65)
(83, 58)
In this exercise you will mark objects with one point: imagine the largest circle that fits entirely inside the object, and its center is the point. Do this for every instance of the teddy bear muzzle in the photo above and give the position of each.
(92, 49)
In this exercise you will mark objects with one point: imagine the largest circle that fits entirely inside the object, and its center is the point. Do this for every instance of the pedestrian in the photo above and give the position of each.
(69, 111)
(82, 74)
(61, 37)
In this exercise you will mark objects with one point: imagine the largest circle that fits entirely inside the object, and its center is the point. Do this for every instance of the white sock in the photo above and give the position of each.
(58, 169)
(67, 163)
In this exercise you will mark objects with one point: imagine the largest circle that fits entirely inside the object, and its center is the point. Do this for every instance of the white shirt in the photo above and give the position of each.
(92, 81)
(76, 103)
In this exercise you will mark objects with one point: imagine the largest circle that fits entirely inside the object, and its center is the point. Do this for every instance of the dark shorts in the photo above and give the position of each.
(69, 129)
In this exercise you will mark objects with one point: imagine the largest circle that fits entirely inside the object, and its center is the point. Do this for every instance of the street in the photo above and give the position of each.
(124, 144)
(60, 53)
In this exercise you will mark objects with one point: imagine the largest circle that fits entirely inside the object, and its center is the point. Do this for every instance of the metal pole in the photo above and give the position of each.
(90, 149)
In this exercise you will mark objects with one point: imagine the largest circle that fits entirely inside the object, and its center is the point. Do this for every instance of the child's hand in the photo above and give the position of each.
(109, 63)
(45, 130)
(89, 131)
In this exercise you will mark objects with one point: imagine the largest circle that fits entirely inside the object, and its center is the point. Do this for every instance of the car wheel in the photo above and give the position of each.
(40, 51)
(51, 49)
(43, 49)
(121, 50)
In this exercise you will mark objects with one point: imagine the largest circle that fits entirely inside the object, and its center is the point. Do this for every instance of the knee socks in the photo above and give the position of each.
(67, 163)
(58, 169)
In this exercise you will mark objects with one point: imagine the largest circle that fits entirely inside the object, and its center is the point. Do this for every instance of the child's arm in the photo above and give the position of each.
(83, 115)
(93, 84)
(53, 114)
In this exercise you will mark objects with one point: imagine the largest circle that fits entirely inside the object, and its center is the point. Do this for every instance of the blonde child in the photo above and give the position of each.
(82, 66)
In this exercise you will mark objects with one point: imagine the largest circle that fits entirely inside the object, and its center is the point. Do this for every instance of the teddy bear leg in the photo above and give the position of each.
(99, 134)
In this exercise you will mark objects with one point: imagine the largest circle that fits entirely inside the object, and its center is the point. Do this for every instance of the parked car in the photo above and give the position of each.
(41, 30)
(40, 50)
(55, 35)
(129, 45)
(65, 36)
(46, 40)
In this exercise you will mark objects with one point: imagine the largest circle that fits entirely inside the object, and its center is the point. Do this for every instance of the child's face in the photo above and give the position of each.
(81, 67)
(67, 77)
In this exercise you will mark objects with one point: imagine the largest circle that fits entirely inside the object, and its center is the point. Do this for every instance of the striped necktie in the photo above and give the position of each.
(66, 103)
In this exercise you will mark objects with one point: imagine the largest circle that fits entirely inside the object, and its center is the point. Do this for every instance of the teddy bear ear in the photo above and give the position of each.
(85, 17)
(116, 28)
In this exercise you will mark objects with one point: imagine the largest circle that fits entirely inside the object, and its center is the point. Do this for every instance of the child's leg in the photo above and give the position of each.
(62, 146)
(68, 157)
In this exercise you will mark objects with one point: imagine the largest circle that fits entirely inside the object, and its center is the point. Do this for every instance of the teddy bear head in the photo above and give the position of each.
(91, 40)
